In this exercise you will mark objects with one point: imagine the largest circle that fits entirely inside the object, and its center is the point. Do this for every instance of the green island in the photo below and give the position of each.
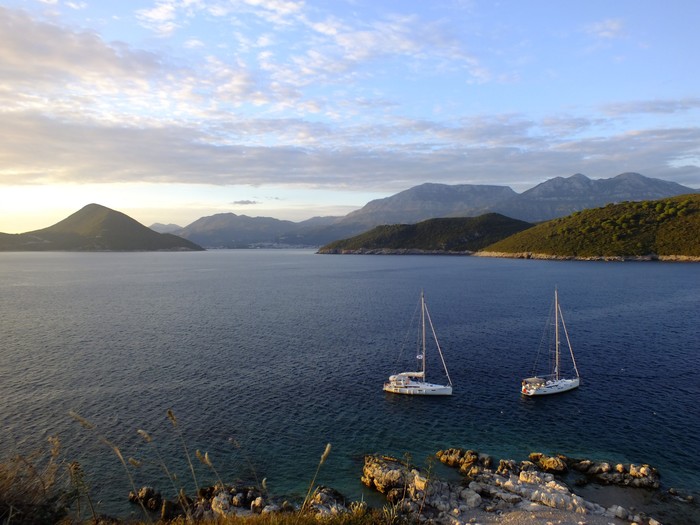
(665, 229)
(444, 235)
(95, 228)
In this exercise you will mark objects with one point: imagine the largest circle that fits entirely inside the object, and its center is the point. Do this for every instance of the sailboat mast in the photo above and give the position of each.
(422, 314)
(556, 332)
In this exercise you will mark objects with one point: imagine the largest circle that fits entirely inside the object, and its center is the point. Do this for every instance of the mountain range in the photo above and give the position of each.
(95, 228)
(666, 229)
(554, 198)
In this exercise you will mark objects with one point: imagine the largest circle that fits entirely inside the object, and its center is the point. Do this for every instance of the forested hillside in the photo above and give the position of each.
(663, 227)
(458, 234)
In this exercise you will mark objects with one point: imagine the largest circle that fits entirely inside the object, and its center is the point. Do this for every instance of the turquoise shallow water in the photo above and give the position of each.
(265, 356)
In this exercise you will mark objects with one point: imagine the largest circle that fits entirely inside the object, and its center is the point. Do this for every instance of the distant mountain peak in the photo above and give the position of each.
(96, 228)
(579, 177)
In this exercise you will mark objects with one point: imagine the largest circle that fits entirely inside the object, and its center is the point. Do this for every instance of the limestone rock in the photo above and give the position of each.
(257, 505)
(221, 504)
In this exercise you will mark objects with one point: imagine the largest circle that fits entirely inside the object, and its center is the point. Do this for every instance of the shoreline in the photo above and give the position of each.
(513, 255)
(542, 490)
(607, 258)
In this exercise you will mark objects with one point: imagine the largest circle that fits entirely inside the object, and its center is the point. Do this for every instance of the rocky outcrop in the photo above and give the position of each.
(485, 486)
(511, 486)
(414, 492)
(213, 503)
(549, 463)
(468, 462)
(472, 464)
(326, 501)
(629, 475)
(210, 503)
(148, 497)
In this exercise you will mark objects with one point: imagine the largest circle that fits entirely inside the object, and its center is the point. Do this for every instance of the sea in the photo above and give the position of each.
(263, 357)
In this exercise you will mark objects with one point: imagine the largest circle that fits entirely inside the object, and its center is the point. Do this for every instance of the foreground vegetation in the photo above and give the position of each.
(667, 227)
(44, 488)
(457, 234)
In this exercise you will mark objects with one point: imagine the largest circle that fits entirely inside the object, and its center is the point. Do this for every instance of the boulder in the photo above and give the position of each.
(385, 473)
(549, 463)
(148, 497)
(221, 504)
(507, 467)
(257, 505)
(469, 462)
(471, 498)
(327, 501)
(618, 512)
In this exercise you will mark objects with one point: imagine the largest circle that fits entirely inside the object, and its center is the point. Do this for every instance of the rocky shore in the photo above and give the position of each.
(389, 251)
(615, 258)
(487, 492)
(509, 492)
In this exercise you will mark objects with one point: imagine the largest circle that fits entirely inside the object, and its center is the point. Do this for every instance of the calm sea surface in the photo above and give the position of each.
(265, 356)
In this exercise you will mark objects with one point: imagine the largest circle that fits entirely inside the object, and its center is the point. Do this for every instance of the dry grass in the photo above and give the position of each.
(357, 516)
(35, 488)
(41, 488)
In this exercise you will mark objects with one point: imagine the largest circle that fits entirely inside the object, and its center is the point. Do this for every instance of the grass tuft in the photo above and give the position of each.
(34, 487)
(307, 499)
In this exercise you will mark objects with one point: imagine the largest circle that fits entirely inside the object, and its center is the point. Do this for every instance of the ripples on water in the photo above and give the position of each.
(284, 351)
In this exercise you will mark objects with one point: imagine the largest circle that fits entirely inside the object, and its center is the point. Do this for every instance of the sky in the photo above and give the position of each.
(172, 110)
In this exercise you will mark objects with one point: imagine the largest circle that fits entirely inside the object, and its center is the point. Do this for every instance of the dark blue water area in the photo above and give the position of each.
(265, 356)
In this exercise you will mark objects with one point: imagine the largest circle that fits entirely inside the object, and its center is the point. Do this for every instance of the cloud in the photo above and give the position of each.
(77, 109)
(41, 56)
(161, 19)
(193, 43)
(245, 202)
(607, 29)
(501, 151)
(652, 106)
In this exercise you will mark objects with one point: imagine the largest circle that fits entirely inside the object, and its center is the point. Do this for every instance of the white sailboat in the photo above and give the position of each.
(555, 382)
(414, 383)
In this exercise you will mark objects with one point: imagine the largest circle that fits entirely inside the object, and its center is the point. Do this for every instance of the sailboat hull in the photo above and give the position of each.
(417, 388)
(551, 387)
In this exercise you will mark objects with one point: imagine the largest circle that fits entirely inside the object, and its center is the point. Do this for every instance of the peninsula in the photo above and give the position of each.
(665, 229)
